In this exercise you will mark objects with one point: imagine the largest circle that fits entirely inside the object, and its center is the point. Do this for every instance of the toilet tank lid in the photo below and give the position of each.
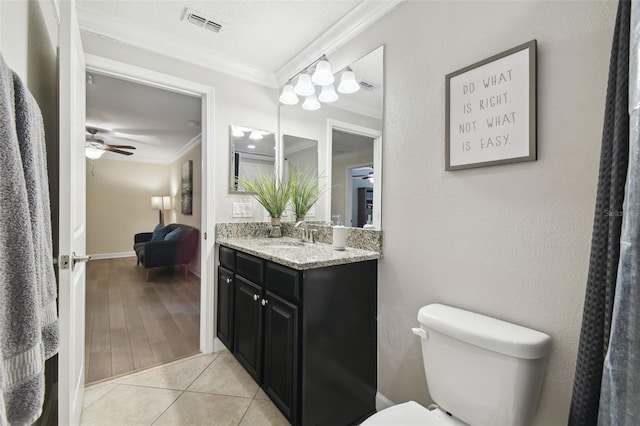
(486, 332)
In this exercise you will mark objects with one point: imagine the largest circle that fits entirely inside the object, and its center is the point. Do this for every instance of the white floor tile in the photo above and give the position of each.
(225, 376)
(177, 375)
(129, 405)
(205, 409)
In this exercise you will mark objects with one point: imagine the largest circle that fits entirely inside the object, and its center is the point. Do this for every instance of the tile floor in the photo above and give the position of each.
(203, 389)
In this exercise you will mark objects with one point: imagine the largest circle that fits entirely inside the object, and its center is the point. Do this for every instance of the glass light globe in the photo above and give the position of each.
(288, 96)
(304, 87)
(311, 103)
(323, 75)
(93, 153)
(348, 83)
(328, 94)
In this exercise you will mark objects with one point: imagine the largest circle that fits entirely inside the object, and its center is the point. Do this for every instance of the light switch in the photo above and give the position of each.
(242, 210)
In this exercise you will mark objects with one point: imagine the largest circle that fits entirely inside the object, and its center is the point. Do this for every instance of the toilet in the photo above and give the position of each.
(480, 371)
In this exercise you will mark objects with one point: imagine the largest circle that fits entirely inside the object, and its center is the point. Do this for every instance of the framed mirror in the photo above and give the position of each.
(251, 150)
(349, 142)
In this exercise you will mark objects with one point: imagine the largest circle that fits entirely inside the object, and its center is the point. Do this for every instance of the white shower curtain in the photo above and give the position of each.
(620, 391)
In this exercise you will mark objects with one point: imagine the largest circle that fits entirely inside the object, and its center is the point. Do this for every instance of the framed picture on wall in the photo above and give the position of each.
(186, 197)
(491, 110)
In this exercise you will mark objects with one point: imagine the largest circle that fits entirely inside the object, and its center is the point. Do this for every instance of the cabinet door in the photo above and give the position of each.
(225, 307)
(281, 354)
(248, 326)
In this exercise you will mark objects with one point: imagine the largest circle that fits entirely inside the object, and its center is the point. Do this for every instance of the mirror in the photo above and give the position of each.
(349, 143)
(251, 150)
(301, 154)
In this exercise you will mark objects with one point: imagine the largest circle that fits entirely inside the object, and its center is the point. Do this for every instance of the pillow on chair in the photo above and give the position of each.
(159, 232)
(173, 235)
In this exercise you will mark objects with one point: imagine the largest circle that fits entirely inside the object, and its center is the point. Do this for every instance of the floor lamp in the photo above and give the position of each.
(161, 203)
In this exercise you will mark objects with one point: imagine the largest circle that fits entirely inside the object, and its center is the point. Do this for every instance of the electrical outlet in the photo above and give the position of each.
(242, 210)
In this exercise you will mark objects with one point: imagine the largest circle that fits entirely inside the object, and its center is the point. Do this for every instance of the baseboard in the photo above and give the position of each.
(383, 402)
(100, 256)
(218, 345)
(194, 272)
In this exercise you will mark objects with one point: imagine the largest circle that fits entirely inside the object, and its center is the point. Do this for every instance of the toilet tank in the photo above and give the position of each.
(482, 370)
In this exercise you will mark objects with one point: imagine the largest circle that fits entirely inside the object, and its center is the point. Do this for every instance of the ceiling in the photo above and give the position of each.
(262, 41)
(160, 124)
(347, 146)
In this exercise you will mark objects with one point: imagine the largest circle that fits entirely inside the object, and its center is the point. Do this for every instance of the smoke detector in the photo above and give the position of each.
(201, 20)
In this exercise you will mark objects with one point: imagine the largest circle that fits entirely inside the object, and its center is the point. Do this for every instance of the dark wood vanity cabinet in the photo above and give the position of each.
(226, 289)
(307, 337)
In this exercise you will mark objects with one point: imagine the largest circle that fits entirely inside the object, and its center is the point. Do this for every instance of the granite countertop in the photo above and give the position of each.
(293, 253)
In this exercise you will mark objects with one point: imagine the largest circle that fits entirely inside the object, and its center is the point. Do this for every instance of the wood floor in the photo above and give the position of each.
(132, 324)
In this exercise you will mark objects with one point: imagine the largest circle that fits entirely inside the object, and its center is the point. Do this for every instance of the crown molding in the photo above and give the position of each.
(361, 17)
(357, 20)
(165, 44)
(185, 149)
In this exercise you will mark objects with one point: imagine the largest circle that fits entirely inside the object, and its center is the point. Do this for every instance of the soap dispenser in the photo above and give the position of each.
(339, 234)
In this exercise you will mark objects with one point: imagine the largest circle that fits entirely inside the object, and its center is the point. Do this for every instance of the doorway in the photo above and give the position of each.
(205, 162)
(351, 147)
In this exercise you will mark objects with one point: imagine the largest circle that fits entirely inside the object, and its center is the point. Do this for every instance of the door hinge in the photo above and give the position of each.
(205, 235)
(64, 262)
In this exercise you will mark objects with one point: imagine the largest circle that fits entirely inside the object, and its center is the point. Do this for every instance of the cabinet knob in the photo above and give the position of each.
(228, 280)
(256, 297)
(264, 302)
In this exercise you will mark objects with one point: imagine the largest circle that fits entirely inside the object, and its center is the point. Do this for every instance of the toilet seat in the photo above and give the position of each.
(411, 414)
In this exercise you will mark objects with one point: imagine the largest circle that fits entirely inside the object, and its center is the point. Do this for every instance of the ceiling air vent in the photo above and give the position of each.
(201, 20)
(365, 85)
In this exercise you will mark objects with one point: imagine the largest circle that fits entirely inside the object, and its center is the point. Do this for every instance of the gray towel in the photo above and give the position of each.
(28, 317)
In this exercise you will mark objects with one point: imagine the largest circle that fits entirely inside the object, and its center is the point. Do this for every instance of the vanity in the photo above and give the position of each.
(301, 319)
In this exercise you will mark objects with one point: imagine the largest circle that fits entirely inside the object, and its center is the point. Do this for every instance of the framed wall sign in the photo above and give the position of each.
(186, 195)
(491, 110)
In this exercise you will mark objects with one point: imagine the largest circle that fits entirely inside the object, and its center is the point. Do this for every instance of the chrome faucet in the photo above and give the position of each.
(307, 234)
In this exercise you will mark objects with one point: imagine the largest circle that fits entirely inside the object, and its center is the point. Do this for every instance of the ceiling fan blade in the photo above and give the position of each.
(122, 146)
(117, 151)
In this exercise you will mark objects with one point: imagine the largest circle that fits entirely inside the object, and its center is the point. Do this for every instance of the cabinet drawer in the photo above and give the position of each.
(228, 257)
(283, 281)
(250, 267)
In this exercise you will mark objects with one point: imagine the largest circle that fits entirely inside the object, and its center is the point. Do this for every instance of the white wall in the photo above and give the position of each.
(236, 102)
(119, 203)
(28, 43)
(175, 185)
(339, 186)
(509, 241)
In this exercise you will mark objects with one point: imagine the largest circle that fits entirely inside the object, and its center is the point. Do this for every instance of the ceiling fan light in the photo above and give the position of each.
(304, 87)
(323, 76)
(311, 103)
(93, 153)
(255, 135)
(288, 96)
(328, 94)
(348, 83)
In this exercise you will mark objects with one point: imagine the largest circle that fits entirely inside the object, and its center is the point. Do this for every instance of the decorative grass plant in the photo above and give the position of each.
(269, 191)
(305, 191)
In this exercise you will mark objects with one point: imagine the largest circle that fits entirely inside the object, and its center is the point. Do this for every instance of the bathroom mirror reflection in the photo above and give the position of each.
(300, 154)
(349, 142)
(251, 150)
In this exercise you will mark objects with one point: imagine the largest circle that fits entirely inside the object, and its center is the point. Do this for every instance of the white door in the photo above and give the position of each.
(72, 218)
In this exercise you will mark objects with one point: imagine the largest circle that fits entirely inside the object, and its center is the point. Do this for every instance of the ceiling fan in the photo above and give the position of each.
(95, 147)
(367, 176)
